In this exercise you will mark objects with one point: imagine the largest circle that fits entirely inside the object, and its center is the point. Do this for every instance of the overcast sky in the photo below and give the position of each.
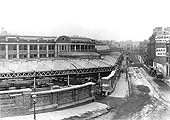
(99, 19)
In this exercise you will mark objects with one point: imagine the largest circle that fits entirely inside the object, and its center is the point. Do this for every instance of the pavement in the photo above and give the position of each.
(63, 114)
(121, 89)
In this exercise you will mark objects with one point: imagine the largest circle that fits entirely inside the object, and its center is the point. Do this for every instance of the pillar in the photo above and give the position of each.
(56, 50)
(75, 48)
(6, 47)
(17, 51)
(38, 48)
(28, 51)
(47, 50)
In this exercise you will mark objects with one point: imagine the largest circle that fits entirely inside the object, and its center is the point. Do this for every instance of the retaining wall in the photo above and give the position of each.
(20, 102)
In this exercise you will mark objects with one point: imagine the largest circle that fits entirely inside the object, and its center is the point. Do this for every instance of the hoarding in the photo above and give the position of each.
(160, 51)
(162, 38)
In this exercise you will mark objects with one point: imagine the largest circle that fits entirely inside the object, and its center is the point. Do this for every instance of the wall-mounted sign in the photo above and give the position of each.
(160, 51)
(162, 38)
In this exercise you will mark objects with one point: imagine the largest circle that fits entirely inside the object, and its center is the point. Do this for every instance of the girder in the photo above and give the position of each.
(55, 73)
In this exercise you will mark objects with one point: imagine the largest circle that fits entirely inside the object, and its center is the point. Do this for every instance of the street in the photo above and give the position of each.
(154, 105)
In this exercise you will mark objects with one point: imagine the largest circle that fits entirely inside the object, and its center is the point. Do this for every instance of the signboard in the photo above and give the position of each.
(162, 38)
(160, 51)
(161, 68)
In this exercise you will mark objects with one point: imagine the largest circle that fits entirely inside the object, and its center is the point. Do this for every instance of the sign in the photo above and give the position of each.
(160, 67)
(162, 38)
(167, 54)
(160, 51)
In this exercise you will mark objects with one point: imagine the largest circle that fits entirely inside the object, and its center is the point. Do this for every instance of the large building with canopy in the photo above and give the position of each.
(59, 71)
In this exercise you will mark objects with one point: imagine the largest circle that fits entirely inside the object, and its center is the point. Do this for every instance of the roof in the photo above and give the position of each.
(79, 54)
(55, 64)
(102, 47)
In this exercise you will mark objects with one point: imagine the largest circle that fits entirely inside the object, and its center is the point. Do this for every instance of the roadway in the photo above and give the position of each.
(153, 106)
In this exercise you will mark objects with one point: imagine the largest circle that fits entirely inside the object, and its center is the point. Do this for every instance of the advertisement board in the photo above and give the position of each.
(162, 38)
(160, 51)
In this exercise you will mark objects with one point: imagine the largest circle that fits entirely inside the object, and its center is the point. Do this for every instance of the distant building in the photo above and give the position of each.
(158, 49)
(128, 45)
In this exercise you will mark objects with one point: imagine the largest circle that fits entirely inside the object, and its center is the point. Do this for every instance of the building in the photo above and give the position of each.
(39, 47)
(102, 48)
(158, 50)
(128, 45)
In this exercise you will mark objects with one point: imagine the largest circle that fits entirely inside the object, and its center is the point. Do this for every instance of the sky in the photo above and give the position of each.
(98, 19)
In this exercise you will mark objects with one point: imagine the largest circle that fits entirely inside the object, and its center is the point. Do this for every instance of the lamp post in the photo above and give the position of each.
(34, 97)
(127, 73)
(167, 55)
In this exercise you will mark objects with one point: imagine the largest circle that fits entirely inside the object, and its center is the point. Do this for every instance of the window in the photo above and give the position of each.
(43, 55)
(33, 47)
(12, 47)
(2, 47)
(43, 47)
(89, 47)
(22, 47)
(23, 56)
(2, 56)
(77, 47)
(33, 55)
(11, 56)
(50, 55)
(72, 47)
(82, 47)
(62, 47)
(86, 47)
(51, 47)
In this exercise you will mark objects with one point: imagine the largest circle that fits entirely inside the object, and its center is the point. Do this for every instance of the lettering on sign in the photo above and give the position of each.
(160, 51)
(162, 39)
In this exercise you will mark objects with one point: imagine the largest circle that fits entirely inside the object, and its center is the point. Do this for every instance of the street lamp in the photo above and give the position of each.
(127, 58)
(34, 97)
(34, 102)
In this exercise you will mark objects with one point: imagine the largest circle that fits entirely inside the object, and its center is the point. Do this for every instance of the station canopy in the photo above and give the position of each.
(54, 65)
